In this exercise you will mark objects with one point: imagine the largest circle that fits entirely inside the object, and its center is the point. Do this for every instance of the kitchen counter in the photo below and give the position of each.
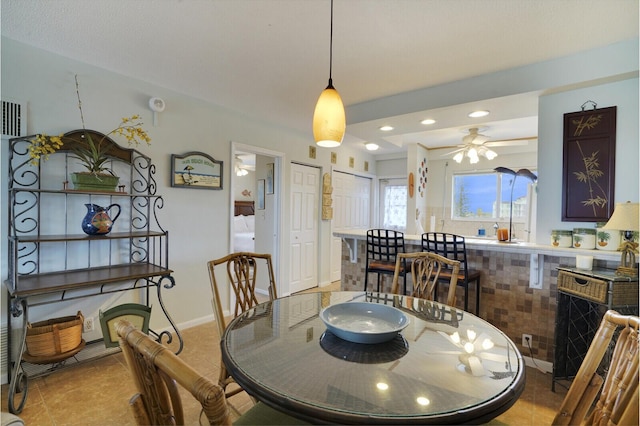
(492, 244)
(518, 285)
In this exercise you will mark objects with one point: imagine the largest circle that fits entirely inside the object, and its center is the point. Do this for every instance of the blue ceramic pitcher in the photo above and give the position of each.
(97, 220)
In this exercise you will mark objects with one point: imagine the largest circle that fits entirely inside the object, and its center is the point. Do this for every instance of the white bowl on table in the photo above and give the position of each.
(363, 322)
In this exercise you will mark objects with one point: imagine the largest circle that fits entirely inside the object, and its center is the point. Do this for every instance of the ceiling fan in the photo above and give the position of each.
(475, 145)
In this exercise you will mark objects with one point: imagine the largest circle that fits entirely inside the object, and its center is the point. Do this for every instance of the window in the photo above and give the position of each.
(393, 196)
(488, 195)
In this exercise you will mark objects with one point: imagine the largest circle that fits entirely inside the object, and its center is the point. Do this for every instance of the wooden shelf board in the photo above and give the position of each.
(30, 285)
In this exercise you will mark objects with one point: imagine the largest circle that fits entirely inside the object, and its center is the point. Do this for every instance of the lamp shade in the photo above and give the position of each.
(329, 120)
(624, 218)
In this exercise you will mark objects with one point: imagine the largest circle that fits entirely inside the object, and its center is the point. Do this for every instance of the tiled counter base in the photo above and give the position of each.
(506, 300)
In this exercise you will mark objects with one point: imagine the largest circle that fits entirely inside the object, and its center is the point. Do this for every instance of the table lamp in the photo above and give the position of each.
(625, 218)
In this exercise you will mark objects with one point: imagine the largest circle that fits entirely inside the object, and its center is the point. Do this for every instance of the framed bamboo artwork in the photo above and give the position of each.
(588, 172)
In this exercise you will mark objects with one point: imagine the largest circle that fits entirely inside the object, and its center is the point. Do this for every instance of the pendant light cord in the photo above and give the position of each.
(331, 48)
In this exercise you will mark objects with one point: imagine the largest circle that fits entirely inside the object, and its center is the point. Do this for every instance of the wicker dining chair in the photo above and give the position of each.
(157, 371)
(243, 272)
(617, 402)
(426, 269)
(453, 247)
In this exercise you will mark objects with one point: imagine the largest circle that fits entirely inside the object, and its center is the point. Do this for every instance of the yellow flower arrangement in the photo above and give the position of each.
(93, 155)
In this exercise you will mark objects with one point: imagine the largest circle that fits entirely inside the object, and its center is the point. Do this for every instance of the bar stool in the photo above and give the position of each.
(452, 246)
(382, 247)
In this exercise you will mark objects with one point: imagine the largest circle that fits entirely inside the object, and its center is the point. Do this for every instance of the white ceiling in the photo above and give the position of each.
(269, 59)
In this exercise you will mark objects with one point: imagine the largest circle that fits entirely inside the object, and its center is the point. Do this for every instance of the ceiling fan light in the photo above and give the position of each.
(473, 160)
(472, 153)
(371, 146)
(490, 154)
(458, 157)
(329, 120)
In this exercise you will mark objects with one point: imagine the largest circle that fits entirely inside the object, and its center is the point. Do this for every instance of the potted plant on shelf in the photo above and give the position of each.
(92, 149)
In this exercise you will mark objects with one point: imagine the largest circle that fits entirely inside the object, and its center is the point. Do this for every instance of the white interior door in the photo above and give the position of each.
(351, 210)
(305, 192)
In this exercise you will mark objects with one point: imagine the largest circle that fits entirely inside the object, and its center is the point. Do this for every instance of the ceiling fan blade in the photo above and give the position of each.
(506, 143)
(510, 142)
(453, 152)
(475, 139)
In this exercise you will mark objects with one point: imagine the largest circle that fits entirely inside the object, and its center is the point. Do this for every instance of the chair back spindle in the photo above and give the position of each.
(157, 372)
(617, 394)
(426, 269)
(454, 247)
(244, 270)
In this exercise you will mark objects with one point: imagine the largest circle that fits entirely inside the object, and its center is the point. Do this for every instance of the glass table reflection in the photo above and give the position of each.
(448, 366)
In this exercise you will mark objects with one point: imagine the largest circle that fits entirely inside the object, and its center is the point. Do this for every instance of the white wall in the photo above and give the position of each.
(392, 167)
(439, 187)
(245, 183)
(624, 95)
(197, 220)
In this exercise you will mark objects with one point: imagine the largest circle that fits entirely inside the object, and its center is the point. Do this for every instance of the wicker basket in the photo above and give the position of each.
(623, 293)
(586, 287)
(54, 336)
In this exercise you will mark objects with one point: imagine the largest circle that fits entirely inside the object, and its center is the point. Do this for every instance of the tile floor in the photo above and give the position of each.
(97, 392)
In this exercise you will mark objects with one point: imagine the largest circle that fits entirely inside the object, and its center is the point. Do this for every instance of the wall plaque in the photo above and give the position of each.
(589, 165)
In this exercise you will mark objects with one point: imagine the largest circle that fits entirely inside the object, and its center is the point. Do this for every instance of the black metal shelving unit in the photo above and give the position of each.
(52, 261)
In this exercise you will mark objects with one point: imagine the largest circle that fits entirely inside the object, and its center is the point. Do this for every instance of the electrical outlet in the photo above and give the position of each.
(526, 340)
(88, 324)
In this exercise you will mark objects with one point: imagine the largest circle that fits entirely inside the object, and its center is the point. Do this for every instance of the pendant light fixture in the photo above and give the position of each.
(329, 121)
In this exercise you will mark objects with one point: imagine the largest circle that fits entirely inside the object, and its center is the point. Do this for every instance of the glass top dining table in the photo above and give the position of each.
(446, 367)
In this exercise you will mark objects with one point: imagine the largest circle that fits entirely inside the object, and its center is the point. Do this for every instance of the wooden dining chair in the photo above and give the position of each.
(617, 403)
(426, 269)
(453, 247)
(243, 273)
(157, 371)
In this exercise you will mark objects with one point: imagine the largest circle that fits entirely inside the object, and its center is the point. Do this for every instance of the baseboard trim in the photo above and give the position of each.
(195, 322)
(541, 365)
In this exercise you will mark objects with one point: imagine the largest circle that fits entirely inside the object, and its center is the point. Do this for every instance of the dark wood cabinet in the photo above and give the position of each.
(583, 298)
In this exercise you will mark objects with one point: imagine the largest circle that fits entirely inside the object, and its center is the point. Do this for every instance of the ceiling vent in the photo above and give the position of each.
(14, 119)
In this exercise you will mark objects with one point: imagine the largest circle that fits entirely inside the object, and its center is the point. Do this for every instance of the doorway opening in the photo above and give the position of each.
(249, 193)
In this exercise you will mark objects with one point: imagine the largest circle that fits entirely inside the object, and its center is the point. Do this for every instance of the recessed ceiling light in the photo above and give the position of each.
(386, 128)
(428, 121)
(476, 114)
(371, 146)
